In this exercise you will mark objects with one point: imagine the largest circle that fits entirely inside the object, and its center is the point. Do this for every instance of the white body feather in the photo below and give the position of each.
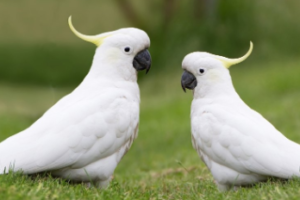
(236, 143)
(91, 127)
(84, 135)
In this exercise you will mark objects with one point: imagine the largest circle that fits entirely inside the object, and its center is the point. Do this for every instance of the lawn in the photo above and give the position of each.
(161, 163)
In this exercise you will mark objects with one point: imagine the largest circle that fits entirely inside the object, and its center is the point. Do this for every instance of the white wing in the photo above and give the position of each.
(80, 129)
(239, 138)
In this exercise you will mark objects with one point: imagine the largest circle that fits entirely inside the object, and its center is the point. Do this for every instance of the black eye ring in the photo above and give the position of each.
(201, 71)
(127, 49)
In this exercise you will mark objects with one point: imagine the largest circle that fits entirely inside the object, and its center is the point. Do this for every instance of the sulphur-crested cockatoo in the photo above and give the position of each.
(84, 135)
(237, 144)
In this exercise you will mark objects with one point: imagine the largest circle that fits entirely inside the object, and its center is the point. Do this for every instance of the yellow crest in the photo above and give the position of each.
(97, 39)
(229, 62)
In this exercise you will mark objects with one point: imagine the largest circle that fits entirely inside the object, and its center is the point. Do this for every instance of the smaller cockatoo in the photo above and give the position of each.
(237, 144)
(84, 135)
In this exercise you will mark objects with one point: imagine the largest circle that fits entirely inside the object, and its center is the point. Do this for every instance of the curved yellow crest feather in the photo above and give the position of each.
(96, 39)
(229, 62)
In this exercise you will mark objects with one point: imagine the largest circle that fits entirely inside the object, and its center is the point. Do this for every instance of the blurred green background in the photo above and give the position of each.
(41, 60)
(37, 46)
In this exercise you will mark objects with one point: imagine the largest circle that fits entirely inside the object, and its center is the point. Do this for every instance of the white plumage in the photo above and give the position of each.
(84, 135)
(236, 143)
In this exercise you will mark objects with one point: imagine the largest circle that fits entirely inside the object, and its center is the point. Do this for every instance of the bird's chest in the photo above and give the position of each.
(206, 130)
(203, 128)
(105, 131)
(119, 116)
(203, 134)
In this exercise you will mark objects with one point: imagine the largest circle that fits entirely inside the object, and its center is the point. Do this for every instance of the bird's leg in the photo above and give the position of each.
(235, 188)
(222, 187)
(103, 184)
(88, 184)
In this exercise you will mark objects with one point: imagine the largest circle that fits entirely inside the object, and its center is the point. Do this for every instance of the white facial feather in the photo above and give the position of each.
(111, 60)
(195, 61)
(214, 77)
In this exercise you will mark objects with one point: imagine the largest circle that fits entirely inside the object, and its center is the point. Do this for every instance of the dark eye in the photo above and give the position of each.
(127, 49)
(201, 71)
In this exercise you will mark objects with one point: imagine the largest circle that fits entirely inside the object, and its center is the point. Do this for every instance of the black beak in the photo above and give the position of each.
(142, 61)
(188, 81)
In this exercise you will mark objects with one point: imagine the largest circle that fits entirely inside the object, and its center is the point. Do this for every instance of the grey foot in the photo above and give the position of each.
(222, 187)
(102, 184)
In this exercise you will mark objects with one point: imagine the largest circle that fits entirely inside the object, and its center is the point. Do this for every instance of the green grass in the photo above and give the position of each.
(161, 163)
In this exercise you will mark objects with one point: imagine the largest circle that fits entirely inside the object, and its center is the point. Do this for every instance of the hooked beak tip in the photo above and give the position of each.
(183, 88)
(148, 69)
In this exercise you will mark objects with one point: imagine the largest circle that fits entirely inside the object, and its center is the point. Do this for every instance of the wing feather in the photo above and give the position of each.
(244, 141)
(74, 132)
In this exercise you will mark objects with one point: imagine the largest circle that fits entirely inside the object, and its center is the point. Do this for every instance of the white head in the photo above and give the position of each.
(120, 54)
(206, 73)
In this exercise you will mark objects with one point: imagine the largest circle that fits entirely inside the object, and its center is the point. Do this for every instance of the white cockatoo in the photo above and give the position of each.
(85, 134)
(237, 144)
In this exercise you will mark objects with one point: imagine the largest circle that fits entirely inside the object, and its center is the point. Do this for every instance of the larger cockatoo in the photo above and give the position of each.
(85, 134)
(237, 144)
